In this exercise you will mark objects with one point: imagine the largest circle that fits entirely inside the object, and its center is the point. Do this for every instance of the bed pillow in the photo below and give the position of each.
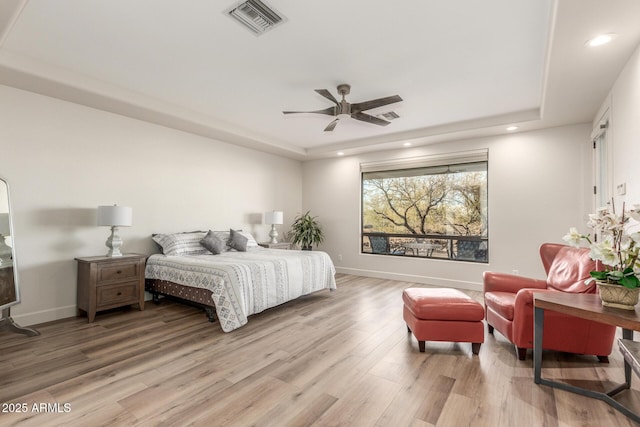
(238, 241)
(181, 243)
(251, 241)
(224, 236)
(213, 243)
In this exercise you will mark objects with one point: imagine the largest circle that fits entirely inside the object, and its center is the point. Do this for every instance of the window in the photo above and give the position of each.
(426, 208)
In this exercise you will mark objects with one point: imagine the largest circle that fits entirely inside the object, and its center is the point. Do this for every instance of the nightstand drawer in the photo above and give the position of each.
(109, 273)
(124, 293)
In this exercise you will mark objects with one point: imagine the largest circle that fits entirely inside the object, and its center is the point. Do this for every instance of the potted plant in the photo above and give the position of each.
(618, 251)
(306, 231)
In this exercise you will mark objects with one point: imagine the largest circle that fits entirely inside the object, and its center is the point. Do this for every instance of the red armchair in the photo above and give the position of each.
(508, 303)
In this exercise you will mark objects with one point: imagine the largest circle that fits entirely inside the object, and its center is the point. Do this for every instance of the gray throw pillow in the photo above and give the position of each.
(213, 243)
(237, 241)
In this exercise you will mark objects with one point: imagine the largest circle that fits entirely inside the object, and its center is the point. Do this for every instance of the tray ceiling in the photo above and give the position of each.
(462, 68)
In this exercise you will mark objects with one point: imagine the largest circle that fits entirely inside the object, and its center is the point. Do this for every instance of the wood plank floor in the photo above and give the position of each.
(339, 358)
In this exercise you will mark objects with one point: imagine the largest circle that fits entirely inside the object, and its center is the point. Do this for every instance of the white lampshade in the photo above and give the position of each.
(4, 224)
(119, 216)
(273, 217)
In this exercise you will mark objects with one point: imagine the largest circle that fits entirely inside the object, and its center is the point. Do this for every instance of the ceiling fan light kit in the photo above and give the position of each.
(344, 109)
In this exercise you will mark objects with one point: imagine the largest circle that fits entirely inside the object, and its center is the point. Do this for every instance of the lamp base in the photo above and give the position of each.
(273, 234)
(114, 242)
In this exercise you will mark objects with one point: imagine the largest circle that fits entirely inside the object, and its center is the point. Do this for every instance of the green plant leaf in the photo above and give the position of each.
(630, 282)
(616, 275)
(599, 275)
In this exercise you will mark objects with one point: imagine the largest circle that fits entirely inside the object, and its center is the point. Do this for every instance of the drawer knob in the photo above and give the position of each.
(119, 293)
(118, 272)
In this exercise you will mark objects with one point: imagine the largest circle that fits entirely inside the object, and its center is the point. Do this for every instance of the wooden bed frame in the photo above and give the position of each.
(198, 297)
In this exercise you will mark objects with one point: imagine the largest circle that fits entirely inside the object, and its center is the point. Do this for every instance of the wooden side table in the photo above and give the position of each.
(279, 245)
(586, 306)
(110, 282)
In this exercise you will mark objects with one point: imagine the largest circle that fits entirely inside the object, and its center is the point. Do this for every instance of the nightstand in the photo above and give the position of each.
(279, 245)
(110, 282)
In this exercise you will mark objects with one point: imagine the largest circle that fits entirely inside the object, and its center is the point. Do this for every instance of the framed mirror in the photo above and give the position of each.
(9, 285)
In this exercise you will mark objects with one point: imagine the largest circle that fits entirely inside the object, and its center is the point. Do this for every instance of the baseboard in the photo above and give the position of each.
(426, 280)
(45, 315)
(53, 314)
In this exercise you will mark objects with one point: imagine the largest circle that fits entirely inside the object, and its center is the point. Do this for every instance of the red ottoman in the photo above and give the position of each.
(443, 314)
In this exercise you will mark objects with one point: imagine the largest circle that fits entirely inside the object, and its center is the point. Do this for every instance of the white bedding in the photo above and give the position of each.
(245, 283)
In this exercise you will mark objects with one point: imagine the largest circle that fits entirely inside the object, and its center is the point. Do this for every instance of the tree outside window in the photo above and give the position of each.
(439, 209)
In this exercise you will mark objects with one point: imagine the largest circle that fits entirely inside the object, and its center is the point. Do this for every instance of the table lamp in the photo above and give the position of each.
(273, 218)
(114, 216)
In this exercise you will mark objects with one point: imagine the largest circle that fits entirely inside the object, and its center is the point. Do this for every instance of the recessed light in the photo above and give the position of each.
(340, 153)
(407, 144)
(512, 128)
(601, 39)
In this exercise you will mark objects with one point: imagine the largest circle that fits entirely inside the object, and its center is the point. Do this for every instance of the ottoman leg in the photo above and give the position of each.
(421, 346)
(475, 347)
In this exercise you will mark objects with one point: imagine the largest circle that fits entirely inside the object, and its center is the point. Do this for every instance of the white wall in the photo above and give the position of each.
(62, 160)
(538, 188)
(623, 106)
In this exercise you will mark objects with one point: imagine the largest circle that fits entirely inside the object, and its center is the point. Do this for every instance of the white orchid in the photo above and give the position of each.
(618, 251)
(604, 252)
(573, 237)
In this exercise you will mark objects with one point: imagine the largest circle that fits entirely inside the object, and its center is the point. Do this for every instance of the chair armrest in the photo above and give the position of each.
(503, 282)
(524, 297)
(523, 316)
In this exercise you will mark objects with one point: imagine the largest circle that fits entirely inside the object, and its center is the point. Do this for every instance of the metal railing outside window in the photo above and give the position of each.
(459, 248)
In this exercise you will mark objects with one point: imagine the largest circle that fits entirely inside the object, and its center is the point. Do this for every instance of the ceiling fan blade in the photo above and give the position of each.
(331, 126)
(374, 103)
(331, 111)
(327, 95)
(369, 119)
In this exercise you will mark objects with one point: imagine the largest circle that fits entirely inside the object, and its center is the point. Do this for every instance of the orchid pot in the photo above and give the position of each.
(617, 296)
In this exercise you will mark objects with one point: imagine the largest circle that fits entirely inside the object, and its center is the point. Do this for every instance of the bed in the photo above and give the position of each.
(235, 280)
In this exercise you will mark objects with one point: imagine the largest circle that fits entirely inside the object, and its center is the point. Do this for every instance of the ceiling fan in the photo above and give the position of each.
(356, 111)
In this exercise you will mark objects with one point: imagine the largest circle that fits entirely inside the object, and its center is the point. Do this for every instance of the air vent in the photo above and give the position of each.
(256, 16)
(389, 116)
